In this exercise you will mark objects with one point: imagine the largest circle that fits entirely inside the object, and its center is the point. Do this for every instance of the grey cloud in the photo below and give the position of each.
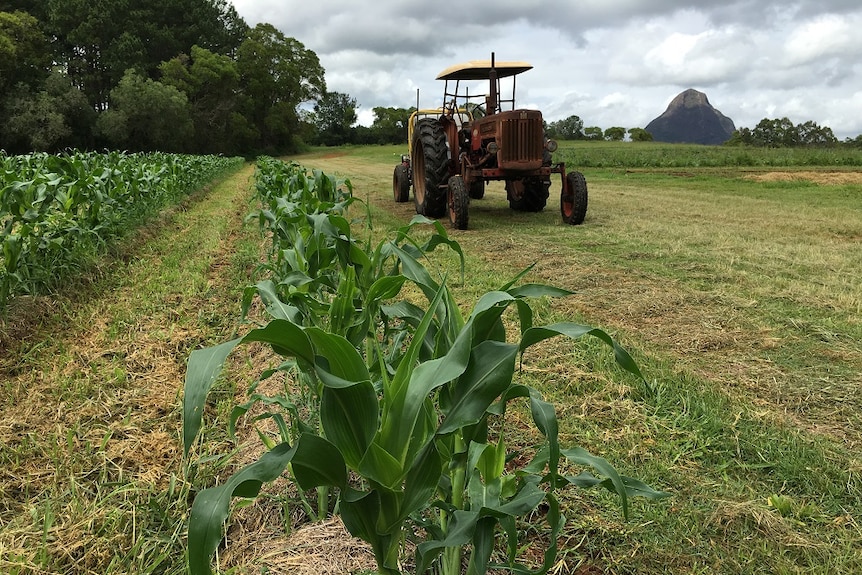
(608, 61)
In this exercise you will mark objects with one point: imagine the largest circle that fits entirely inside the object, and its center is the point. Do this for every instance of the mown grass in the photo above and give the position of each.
(740, 292)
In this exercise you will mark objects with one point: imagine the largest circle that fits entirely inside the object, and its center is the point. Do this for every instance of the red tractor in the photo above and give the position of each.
(455, 149)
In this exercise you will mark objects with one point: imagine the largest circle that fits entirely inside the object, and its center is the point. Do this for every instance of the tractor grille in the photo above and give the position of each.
(522, 142)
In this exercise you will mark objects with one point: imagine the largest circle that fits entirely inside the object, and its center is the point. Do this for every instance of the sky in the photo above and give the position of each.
(610, 62)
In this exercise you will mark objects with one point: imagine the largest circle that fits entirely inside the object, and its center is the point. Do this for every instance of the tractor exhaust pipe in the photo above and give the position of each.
(492, 104)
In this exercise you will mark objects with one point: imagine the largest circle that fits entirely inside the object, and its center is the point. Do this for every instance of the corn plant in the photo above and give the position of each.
(412, 406)
(309, 236)
(321, 275)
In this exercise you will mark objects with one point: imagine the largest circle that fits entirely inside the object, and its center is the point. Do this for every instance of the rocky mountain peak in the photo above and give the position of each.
(690, 99)
(690, 118)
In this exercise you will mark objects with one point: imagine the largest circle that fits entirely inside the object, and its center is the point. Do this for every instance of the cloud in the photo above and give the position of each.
(824, 37)
(611, 62)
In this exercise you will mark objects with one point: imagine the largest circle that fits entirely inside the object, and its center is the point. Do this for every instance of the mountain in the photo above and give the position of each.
(690, 118)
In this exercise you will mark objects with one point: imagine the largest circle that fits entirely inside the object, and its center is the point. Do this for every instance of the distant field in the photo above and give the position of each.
(660, 155)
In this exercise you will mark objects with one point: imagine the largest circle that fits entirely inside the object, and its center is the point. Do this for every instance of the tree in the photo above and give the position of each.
(34, 123)
(615, 134)
(210, 81)
(334, 115)
(640, 135)
(88, 44)
(146, 115)
(25, 55)
(740, 137)
(594, 133)
(782, 132)
(571, 128)
(243, 88)
(98, 40)
(277, 74)
(390, 125)
(54, 117)
(811, 134)
(774, 133)
(70, 101)
(35, 8)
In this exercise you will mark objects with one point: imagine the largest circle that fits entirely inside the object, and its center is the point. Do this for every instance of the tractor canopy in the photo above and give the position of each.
(481, 70)
(455, 96)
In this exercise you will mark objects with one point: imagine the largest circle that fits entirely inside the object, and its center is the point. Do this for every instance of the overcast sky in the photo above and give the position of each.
(611, 62)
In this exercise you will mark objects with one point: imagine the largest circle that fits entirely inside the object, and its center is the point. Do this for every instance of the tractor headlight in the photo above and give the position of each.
(493, 148)
(551, 145)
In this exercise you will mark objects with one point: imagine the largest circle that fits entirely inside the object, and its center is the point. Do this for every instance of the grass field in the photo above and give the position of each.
(740, 289)
(737, 287)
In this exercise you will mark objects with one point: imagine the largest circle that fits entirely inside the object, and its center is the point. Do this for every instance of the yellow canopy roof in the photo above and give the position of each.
(481, 69)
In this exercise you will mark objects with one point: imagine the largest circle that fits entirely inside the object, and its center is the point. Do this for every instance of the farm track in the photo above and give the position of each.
(91, 394)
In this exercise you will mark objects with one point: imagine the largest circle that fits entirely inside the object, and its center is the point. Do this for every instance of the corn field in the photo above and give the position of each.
(57, 212)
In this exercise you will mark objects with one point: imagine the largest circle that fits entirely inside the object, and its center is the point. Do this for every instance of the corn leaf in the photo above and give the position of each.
(204, 366)
(349, 417)
(576, 331)
(488, 374)
(318, 462)
(211, 506)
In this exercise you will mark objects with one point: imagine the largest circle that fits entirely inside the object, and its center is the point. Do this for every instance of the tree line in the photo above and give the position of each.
(173, 75)
(782, 133)
(333, 123)
(770, 133)
(572, 128)
(191, 76)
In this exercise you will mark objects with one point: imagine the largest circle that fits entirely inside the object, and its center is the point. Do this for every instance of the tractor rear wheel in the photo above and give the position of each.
(430, 158)
(401, 183)
(459, 200)
(527, 195)
(573, 200)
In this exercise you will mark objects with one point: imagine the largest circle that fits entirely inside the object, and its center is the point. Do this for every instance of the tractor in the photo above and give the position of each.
(457, 148)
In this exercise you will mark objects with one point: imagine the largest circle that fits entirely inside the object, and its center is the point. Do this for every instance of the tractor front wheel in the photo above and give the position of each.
(459, 200)
(430, 158)
(573, 200)
(527, 195)
(401, 183)
(477, 190)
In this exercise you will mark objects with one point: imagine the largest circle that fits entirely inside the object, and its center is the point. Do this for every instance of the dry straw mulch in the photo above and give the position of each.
(258, 542)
